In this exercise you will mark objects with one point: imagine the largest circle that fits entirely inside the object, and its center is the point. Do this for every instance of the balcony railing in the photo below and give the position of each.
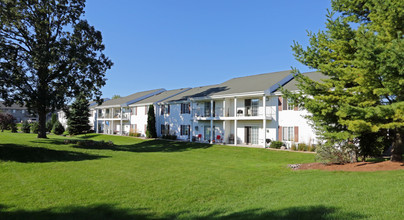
(218, 112)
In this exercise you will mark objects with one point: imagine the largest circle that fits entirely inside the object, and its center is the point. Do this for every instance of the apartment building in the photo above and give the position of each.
(241, 111)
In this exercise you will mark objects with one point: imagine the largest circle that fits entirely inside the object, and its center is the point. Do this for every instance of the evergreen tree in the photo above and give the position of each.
(151, 123)
(78, 122)
(361, 51)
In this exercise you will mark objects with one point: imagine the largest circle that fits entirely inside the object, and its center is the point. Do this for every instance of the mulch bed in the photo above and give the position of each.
(360, 166)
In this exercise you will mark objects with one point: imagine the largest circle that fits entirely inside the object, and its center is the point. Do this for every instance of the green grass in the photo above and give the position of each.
(137, 179)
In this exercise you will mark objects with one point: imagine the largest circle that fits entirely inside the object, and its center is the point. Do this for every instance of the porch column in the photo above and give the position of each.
(235, 121)
(191, 112)
(121, 122)
(103, 122)
(264, 124)
(96, 121)
(211, 121)
(224, 108)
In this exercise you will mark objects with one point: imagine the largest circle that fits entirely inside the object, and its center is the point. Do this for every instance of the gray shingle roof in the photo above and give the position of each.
(13, 106)
(316, 76)
(130, 99)
(162, 96)
(255, 83)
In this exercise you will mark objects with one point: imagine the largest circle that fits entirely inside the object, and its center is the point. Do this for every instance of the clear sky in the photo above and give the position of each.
(187, 43)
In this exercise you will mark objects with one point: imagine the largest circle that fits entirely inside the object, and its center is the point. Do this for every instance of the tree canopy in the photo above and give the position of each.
(49, 55)
(362, 53)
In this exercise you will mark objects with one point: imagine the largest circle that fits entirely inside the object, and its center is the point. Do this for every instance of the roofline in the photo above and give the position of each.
(282, 82)
(143, 97)
(161, 100)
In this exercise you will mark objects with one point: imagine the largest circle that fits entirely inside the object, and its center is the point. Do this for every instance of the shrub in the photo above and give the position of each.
(277, 144)
(25, 127)
(58, 128)
(302, 147)
(341, 152)
(170, 137)
(293, 147)
(49, 126)
(134, 134)
(35, 127)
(13, 127)
(312, 148)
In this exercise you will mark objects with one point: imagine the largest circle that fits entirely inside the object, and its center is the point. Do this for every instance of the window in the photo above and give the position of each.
(251, 107)
(23, 111)
(185, 129)
(288, 104)
(288, 133)
(165, 129)
(134, 128)
(165, 109)
(13, 110)
(185, 108)
(135, 110)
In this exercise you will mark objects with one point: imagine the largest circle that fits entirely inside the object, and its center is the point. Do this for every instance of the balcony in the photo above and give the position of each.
(241, 114)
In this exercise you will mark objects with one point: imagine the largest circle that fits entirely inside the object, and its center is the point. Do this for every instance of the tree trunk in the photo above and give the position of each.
(42, 124)
(396, 151)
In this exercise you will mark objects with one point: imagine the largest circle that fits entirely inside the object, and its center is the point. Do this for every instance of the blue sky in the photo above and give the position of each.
(186, 43)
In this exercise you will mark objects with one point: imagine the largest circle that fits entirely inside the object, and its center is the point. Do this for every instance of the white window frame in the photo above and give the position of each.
(288, 133)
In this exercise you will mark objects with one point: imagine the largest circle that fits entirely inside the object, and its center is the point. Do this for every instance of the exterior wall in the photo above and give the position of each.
(19, 114)
(139, 118)
(175, 119)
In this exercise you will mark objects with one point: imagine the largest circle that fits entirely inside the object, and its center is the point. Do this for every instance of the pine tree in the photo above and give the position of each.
(78, 122)
(362, 53)
(151, 123)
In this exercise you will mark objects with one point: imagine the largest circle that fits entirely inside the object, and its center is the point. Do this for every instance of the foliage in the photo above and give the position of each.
(25, 127)
(341, 152)
(34, 127)
(361, 53)
(116, 97)
(79, 113)
(169, 136)
(276, 144)
(135, 134)
(49, 54)
(293, 147)
(51, 122)
(311, 148)
(302, 147)
(58, 128)
(7, 121)
(151, 123)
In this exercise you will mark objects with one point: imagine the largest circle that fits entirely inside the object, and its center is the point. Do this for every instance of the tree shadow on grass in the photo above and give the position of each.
(106, 211)
(27, 154)
(150, 146)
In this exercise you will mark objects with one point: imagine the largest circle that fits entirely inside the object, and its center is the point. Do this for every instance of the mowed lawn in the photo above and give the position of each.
(155, 179)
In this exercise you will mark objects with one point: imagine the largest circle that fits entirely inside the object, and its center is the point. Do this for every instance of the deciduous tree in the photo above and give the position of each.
(49, 55)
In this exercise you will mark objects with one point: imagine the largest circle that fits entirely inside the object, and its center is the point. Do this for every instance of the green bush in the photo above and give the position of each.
(277, 144)
(170, 137)
(312, 148)
(49, 126)
(302, 147)
(293, 147)
(35, 127)
(340, 152)
(58, 128)
(25, 127)
(134, 134)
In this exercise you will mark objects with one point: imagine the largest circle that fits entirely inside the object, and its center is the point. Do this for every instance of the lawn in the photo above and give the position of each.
(155, 179)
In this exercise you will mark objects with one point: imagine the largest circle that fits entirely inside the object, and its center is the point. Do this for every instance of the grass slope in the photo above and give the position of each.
(138, 179)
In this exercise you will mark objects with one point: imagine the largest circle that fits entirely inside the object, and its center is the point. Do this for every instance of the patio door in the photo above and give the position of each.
(206, 133)
(251, 135)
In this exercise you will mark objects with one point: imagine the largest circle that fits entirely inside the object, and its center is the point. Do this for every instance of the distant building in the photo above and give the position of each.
(19, 112)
